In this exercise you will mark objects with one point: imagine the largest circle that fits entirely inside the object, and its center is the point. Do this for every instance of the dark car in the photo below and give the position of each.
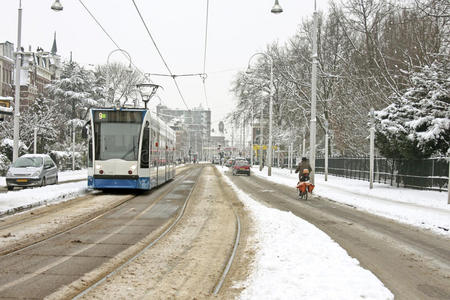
(241, 167)
(32, 170)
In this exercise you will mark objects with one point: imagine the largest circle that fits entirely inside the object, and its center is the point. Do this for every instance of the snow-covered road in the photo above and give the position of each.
(294, 259)
(425, 209)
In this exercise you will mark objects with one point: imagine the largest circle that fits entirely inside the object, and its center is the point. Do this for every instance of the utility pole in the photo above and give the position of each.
(252, 140)
(312, 146)
(73, 147)
(372, 146)
(17, 87)
(326, 150)
(35, 140)
(304, 143)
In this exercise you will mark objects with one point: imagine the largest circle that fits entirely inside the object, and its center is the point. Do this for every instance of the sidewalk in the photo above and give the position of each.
(425, 209)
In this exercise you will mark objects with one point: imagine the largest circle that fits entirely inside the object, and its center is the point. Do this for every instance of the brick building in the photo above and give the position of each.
(38, 68)
(6, 69)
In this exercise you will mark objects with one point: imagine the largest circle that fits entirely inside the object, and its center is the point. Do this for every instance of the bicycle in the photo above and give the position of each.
(304, 187)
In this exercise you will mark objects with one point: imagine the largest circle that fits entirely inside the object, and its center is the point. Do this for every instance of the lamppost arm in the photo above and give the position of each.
(107, 68)
(269, 170)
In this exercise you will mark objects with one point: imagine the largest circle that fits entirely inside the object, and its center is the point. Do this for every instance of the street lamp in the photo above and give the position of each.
(269, 170)
(56, 6)
(129, 69)
(312, 136)
(147, 91)
(276, 9)
(16, 133)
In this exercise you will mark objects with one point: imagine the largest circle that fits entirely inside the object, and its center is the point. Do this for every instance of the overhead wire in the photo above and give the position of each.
(112, 40)
(160, 54)
(204, 76)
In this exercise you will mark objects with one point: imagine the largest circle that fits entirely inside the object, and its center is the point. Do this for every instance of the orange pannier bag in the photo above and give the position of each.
(303, 185)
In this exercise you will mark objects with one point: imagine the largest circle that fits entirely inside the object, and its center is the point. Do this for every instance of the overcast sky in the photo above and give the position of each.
(237, 29)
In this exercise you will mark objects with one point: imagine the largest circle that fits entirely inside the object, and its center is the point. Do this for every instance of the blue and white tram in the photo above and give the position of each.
(129, 149)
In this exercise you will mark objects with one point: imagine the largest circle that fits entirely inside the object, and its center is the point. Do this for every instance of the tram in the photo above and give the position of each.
(129, 149)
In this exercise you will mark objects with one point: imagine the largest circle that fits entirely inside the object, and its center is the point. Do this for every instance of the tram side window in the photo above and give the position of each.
(145, 148)
(154, 149)
(90, 153)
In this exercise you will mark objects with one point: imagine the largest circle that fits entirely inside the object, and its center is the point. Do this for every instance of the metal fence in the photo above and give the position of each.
(426, 174)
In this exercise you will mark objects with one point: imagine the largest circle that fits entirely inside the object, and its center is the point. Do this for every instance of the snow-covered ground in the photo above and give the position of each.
(292, 254)
(17, 200)
(296, 260)
(425, 209)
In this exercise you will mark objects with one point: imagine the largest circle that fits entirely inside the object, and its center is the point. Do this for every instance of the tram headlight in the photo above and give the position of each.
(133, 167)
(98, 166)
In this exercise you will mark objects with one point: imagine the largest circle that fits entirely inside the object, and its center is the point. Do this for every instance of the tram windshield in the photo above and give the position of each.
(118, 139)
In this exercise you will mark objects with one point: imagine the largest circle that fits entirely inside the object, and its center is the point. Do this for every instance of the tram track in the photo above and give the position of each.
(140, 252)
(9, 223)
(68, 239)
(194, 256)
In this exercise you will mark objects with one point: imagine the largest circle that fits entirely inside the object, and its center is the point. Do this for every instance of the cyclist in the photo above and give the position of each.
(304, 164)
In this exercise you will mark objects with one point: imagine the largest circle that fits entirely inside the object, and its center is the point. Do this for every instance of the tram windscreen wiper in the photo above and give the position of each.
(133, 149)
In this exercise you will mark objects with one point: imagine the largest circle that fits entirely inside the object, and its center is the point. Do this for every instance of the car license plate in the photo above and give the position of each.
(22, 180)
(243, 169)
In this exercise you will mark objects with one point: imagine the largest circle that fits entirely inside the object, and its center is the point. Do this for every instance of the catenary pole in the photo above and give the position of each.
(16, 132)
(372, 146)
(35, 140)
(312, 154)
(326, 150)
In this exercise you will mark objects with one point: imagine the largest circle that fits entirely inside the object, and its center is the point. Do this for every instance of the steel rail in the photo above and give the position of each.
(59, 233)
(151, 244)
(233, 253)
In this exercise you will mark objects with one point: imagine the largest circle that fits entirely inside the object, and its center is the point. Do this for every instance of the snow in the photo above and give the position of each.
(296, 260)
(17, 200)
(424, 209)
(6, 109)
(294, 256)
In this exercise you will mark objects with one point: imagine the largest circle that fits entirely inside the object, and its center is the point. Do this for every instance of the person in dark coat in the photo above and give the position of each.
(304, 164)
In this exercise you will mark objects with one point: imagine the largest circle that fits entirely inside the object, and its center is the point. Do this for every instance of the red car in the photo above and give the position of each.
(241, 167)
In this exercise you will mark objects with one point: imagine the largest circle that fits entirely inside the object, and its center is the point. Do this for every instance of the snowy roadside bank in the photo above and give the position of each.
(296, 260)
(19, 200)
(425, 209)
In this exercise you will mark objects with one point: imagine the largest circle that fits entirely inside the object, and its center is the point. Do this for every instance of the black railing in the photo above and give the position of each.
(426, 174)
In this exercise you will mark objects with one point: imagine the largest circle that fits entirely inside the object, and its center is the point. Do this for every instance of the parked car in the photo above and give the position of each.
(241, 166)
(229, 162)
(216, 160)
(32, 170)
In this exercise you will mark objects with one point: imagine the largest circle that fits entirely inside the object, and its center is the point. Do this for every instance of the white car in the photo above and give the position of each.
(32, 170)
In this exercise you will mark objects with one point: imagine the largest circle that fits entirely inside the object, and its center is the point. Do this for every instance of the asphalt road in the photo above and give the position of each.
(412, 263)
